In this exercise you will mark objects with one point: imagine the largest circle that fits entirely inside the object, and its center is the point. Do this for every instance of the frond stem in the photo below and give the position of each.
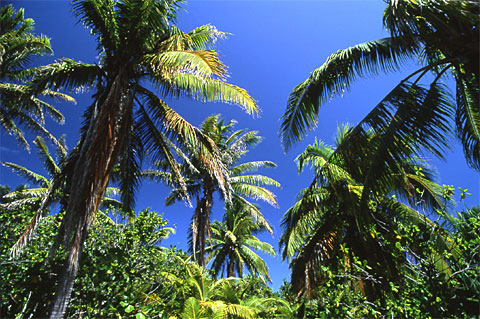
(425, 69)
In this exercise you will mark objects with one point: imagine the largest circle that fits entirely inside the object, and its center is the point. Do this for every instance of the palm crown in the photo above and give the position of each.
(339, 216)
(444, 36)
(242, 185)
(233, 242)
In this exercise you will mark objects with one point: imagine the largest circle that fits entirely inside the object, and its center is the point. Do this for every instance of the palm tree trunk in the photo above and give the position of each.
(99, 150)
(67, 279)
(205, 226)
(231, 268)
(201, 224)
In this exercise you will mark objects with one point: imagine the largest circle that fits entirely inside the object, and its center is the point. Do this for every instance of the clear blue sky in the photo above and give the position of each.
(273, 46)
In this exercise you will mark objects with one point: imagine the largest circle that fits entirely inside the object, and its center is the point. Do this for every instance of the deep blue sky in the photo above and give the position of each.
(273, 46)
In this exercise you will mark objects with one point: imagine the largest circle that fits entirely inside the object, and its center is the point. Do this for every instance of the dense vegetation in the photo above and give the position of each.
(373, 235)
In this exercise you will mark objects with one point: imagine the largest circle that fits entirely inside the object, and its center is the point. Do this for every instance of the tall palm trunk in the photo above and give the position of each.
(201, 223)
(99, 150)
(231, 266)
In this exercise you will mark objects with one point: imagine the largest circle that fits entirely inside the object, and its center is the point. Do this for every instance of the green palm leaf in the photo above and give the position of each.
(255, 192)
(206, 90)
(202, 63)
(27, 174)
(334, 77)
(67, 74)
(467, 119)
(251, 167)
(98, 16)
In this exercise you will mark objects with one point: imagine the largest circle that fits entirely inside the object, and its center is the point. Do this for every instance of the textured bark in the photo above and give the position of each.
(231, 267)
(201, 223)
(98, 153)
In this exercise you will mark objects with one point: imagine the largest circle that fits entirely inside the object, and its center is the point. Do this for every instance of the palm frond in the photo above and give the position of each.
(176, 125)
(429, 193)
(251, 167)
(240, 311)
(20, 203)
(468, 119)
(316, 155)
(67, 74)
(256, 244)
(201, 63)
(47, 199)
(142, 24)
(168, 118)
(257, 180)
(205, 90)
(204, 37)
(27, 174)
(254, 263)
(9, 125)
(255, 192)
(200, 38)
(20, 97)
(48, 161)
(300, 220)
(334, 77)
(406, 120)
(129, 170)
(252, 211)
(100, 18)
(155, 144)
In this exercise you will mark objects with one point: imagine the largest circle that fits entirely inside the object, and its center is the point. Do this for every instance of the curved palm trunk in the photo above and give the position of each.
(201, 223)
(99, 151)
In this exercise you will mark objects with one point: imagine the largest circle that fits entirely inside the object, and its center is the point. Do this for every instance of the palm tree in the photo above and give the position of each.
(207, 297)
(35, 196)
(444, 36)
(232, 244)
(338, 219)
(18, 104)
(232, 145)
(139, 45)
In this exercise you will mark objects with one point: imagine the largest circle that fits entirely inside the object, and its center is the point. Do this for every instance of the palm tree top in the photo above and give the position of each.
(233, 242)
(444, 37)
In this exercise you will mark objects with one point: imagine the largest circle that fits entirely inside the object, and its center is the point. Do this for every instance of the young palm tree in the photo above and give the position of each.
(232, 244)
(139, 45)
(232, 145)
(444, 36)
(18, 104)
(211, 298)
(335, 219)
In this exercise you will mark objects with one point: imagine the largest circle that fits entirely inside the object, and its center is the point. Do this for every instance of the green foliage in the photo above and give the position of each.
(123, 274)
(352, 209)
(19, 104)
(361, 251)
(424, 291)
(35, 197)
(121, 266)
(25, 283)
